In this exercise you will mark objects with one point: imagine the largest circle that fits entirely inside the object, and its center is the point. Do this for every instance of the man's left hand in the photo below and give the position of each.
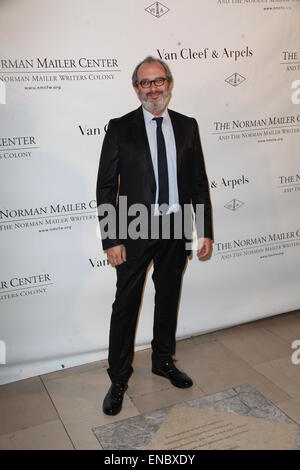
(204, 248)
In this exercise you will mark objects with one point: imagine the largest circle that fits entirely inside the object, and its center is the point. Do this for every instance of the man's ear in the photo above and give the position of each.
(136, 89)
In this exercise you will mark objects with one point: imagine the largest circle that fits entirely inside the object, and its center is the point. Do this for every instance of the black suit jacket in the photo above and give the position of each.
(126, 169)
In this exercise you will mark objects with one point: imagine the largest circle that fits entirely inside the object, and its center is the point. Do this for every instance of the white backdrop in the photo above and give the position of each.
(65, 70)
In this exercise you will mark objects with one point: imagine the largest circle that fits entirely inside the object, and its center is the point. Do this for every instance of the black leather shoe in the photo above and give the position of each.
(177, 378)
(112, 403)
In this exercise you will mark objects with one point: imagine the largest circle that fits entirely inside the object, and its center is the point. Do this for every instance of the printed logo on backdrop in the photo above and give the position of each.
(86, 130)
(289, 183)
(232, 183)
(263, 5)
(24, 286)
(291, 61)
(234, 205)
(274, 129)
(52, 74)
(261, 246)
(157, 9)
(235, 79)
(98, 262)
(194, 54)
(48, 218)
(22, 147)
(17, 147)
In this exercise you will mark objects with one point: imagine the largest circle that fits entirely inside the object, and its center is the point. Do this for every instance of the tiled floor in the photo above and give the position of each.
(59, 410)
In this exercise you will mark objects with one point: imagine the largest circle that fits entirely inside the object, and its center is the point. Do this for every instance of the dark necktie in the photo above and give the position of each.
(162, 165)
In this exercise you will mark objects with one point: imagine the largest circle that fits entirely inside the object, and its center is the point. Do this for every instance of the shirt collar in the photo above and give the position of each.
(148, 116)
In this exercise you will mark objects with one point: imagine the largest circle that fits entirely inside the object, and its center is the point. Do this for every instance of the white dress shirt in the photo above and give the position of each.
(169, 137)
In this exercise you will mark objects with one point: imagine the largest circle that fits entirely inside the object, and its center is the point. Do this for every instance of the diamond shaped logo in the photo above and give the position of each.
(234, 204)
(157, 9)
(235, 79)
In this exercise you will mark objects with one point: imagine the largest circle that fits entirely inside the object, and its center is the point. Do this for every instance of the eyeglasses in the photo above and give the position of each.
(159, 81)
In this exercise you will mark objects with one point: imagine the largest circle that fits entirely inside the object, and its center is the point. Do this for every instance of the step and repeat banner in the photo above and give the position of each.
(65, 71)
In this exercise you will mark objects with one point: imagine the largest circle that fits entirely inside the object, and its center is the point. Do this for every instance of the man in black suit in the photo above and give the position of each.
(152, 158)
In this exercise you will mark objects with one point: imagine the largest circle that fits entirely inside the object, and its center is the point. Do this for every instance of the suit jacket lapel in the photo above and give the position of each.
(141, 138)
(179, 138)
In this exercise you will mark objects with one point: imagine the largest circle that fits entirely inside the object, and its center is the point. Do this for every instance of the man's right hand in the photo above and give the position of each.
(116, 255)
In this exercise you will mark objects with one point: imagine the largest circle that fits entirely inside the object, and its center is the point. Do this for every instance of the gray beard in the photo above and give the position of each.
(156, 107)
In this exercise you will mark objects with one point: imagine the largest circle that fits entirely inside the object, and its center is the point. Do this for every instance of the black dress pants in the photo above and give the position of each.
(169, 259)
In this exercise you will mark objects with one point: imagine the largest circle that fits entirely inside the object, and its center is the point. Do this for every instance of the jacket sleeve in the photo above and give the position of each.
(200, 190)
(107, 188)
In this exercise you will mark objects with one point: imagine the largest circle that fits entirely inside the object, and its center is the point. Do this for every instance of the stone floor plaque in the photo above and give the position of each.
(189, 429)
(239, 417)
